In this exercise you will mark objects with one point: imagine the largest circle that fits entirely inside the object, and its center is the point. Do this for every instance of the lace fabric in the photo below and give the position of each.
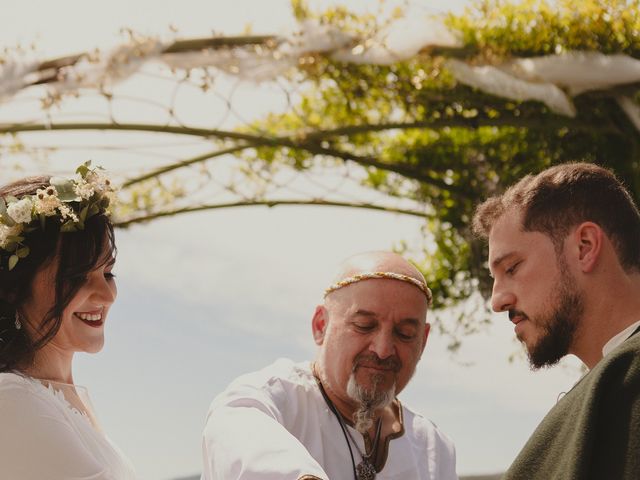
(50, 431)
(74, 397)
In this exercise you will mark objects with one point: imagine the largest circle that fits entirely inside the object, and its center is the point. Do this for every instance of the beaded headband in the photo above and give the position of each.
(372, 275)
(72, 200)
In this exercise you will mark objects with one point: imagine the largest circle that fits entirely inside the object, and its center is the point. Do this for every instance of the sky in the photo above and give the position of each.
(208, 296)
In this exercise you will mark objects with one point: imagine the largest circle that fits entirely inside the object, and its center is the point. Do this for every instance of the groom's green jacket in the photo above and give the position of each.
(593, 432)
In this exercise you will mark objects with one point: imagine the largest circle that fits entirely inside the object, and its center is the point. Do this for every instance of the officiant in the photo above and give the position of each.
(338, 417)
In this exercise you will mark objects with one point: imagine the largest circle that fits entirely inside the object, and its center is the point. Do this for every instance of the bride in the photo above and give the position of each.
(57, 254)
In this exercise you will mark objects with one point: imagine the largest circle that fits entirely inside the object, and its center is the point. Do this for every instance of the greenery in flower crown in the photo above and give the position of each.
(73, 200)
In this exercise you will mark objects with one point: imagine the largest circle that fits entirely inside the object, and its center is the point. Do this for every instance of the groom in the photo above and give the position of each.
(564, 252)
(338, 418)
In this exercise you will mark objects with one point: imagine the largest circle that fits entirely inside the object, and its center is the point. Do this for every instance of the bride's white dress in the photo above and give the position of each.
(43, 437)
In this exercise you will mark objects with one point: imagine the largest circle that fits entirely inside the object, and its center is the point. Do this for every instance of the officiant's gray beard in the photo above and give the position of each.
(368, 400)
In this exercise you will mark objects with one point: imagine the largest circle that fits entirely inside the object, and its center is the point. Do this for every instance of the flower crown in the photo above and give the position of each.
(73, 200)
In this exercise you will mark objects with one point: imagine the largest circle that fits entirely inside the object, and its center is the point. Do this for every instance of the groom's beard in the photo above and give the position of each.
(369, 400)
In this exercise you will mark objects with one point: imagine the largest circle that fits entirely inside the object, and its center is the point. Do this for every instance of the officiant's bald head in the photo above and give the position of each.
(371, 330)
(374, 261)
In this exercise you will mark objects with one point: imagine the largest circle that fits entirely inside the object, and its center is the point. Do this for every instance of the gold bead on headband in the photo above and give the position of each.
(392, 275)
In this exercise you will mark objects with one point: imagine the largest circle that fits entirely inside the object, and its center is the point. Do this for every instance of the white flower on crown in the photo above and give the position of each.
(67, 212)
(98, 180)
(46, 201)
(84, 189)
(6, 232)
(66, 198)
(20, 211)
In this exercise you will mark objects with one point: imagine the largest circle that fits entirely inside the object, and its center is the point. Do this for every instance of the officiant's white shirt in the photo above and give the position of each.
(274, 424)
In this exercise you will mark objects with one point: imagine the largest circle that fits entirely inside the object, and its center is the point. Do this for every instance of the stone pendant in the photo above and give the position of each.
(365, 470)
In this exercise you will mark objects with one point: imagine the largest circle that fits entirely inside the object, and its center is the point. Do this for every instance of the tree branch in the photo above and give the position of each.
(543, 122)
(184, 163)
(139, 127)
(265, 203)
(196, 44)
(407, 171)
(179, 46)
(254, 140)
(551, 121)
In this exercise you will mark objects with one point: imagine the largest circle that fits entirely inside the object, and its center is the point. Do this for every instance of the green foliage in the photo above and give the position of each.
(448, 146)
(499, 28)
(341, 17)
(148, 197)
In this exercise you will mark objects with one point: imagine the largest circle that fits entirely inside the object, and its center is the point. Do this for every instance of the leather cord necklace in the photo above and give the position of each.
(365, 470)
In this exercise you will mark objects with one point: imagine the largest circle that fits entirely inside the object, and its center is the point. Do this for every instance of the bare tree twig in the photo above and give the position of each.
(265, 203)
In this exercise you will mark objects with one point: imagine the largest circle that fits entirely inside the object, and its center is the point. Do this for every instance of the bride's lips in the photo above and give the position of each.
(94, 319)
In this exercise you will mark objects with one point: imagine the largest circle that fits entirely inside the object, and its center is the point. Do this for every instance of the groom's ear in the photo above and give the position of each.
(319, 324)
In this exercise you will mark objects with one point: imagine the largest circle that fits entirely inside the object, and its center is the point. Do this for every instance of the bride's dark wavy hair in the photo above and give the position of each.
(76, 253)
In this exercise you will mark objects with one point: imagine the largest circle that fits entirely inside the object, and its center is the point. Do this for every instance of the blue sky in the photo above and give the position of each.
(206, 297)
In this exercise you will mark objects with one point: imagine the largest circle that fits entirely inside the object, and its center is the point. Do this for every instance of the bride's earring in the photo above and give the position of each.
(17, 322)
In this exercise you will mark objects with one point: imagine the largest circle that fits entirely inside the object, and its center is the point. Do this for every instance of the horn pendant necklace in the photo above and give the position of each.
(365, 470)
